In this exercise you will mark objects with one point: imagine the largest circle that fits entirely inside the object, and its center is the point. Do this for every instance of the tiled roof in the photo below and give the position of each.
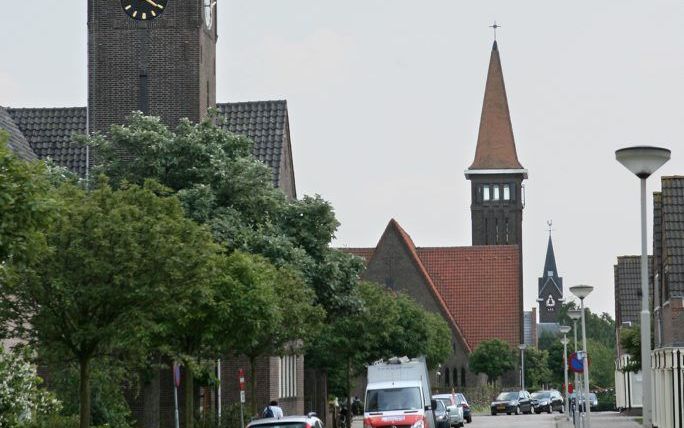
(628, 289)
(17, 142)
(50, 132)
(365, 253)
(474, 285)
(479, 284)
(673, 233)
(495, 142)
(264, 122)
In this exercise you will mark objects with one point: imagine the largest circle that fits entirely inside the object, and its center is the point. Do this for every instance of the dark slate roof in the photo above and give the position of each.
(17, 142)
(550, 263)
(673, 234)
(628, 289)
(265, 123)
(50, 132)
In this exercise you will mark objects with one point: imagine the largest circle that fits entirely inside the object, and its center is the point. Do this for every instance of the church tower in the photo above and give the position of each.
(496, 175)
(550, 294)
(156, 56)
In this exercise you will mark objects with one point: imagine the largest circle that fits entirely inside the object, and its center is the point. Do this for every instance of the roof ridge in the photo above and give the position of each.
(46, 108)
(408, 242)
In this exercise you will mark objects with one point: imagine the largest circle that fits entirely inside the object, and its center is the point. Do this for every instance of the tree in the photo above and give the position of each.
(114, 257)
(25, 205)
(537, 372)
(602, 364)
(20, 396)
(630, 341)
(492, 357)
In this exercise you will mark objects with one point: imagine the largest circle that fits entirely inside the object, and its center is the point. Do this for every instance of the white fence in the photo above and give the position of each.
(668, 387)
(628, 392)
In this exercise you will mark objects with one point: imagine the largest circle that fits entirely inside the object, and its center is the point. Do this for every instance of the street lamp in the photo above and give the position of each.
(564, 329)
(575, 315)
(643, 161)
(522, 348)
(582, 291)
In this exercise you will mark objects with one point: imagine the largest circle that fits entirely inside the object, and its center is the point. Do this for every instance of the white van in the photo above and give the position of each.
(398, 395)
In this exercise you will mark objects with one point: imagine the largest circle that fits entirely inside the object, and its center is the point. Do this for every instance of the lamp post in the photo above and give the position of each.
(564, 329)
(643, 161)
(575, 315)
(582, 291)
(522, 348)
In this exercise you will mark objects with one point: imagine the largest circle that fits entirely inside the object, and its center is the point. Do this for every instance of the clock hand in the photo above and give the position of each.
(153, 3)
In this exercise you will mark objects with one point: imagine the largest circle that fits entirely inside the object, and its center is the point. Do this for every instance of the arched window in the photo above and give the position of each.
(446, 377)
(455, 376)
(463, 377)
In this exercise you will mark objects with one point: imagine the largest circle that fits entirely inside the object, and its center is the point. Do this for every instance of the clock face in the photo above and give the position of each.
(208, 12)
(143, 10)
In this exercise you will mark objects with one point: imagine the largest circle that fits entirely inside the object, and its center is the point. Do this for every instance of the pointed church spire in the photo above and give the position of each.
(495, 142)
(550, 263)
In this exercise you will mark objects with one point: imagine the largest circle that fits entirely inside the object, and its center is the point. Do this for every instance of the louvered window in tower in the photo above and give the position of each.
(496, 192)
(485, 193)
(507, 192)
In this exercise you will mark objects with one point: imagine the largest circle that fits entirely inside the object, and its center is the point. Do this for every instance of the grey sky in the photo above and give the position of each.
(385, 99)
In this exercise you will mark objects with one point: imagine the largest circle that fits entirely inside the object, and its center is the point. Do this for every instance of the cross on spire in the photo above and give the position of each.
(550, 223)
(494, 27)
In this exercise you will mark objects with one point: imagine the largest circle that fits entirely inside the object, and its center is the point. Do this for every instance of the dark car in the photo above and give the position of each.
(513, 402)
(467, 415)
(441, 415)
(548, 401)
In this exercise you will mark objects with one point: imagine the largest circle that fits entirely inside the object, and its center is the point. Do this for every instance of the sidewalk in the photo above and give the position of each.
(603, 420)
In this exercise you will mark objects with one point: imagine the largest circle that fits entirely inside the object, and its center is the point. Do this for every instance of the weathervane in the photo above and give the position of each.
(495, 27)
(550, 223)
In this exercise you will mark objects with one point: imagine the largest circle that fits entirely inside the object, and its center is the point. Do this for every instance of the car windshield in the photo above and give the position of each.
(383, 400)
(506, 396)
(541, 394)
(447, 401)
(278, 424)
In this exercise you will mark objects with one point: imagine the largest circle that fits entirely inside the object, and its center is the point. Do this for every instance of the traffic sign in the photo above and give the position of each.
(576, 361)
(176, 374)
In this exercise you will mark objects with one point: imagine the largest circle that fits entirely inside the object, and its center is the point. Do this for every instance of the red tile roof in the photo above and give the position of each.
(480, 286)
(495, 142)
(477, 287)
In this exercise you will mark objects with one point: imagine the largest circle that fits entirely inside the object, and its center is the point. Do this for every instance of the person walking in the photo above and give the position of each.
(273, 410)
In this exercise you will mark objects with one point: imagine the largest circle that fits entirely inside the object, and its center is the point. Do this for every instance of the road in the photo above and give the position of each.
(543, 420)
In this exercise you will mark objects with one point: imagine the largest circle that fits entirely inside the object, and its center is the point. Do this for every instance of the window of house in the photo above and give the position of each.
(485, 193)
(288, 376)
(463, 376)
(507, 192)
(446, 377)
(455, 376)
(496, 192)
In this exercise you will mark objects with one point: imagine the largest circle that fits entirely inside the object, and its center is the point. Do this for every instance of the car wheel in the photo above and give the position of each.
(562, 409)
(470, 419)
(517, 410)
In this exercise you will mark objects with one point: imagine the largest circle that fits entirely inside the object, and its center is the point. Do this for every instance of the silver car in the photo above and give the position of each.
(454, 408)
(309, 421)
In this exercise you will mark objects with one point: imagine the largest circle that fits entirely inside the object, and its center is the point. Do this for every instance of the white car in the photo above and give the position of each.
(455, 411)
(309, 421)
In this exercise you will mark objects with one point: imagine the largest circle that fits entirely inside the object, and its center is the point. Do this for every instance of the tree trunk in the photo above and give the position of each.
(150, 392)
(84, 392)
(189, 393)
(349, 412)
(252, 391)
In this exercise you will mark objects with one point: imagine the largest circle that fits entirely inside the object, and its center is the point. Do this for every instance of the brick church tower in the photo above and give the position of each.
(496, 175)
(158, 57)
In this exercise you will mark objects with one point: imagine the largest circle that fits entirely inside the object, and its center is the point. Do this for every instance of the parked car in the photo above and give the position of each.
(308, 421)
(466, 407)
(512, 402)
(593, 401)
(441, 415)
(454, 409)
(548, 401)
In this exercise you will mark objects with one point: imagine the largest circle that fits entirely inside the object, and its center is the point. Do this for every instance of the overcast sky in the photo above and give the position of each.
(385, 99)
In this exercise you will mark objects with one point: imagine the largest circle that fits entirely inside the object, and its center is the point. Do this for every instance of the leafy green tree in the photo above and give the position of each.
(602, 364)
(599, 327)
(537, 372)
(114, 258)
(20, 396)
(630, 341)
(492, 357)
(272, 310)
(25, 205)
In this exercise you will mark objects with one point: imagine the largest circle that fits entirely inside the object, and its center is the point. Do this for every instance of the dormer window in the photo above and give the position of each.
(550, 273)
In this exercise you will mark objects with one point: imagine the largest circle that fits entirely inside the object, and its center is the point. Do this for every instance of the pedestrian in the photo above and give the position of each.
(272, 410)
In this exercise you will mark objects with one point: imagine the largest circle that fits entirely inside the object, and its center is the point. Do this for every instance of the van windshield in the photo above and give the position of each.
(383, 400)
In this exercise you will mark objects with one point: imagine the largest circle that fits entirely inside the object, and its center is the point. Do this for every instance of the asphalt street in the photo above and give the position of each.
(543, 420)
